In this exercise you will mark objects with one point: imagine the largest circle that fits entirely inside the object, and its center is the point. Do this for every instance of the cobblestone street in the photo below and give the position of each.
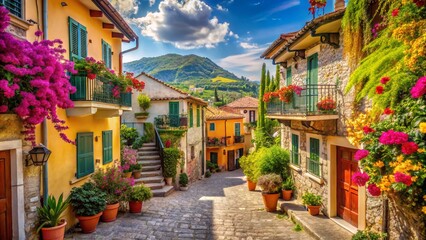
(219, 207)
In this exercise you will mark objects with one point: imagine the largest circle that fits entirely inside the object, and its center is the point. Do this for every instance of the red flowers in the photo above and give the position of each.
(388, 111)
(403, 178)
(409, 148)
(285, 94)
(419, 3)
(395, 12)
(367, 129)
(384, 80)
(360, 178)
(326, 104)
(361, 154)
(374, 190)
(91, 76)
(379, 89)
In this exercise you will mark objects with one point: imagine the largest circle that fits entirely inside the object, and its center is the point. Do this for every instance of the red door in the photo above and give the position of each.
(5, 197)
(347, 192)
(231, 161)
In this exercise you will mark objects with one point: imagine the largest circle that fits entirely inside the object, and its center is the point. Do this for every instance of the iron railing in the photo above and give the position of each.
(313, 166)
(160, 146)
(238, 139)
(171, 121)
(216, 142)
(319, 99)
(97, 90)
(295, 158)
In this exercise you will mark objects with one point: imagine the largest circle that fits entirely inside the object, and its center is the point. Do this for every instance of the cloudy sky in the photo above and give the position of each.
(233, 33)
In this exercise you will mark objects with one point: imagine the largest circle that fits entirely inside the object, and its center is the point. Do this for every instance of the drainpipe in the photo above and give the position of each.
(44, 124)
(203, 135)
(120, 58)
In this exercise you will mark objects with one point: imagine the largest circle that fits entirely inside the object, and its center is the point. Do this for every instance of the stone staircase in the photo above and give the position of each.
(152, 175)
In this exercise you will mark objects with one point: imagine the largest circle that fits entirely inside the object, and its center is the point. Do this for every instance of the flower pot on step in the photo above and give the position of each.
(88, 223)
(287, 194)
(314, 210)
(169, 181)
(270, 201)
(110, 212)
(54, 233)
(135, 206)
(127, 174)
(137, 174)
(251, 185)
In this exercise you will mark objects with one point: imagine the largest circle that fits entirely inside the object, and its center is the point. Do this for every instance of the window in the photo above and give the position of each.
(237, 129)
(288, 76)
(252, 114)
(107, 146)
(191, 116)
(192, 152)
(213, 157)
(78, 40)
(198, 117)
(212, 126)
(314, 156)
(106, 54)
(14, 7)
(174, 114)
(294, 153)
(85, 159)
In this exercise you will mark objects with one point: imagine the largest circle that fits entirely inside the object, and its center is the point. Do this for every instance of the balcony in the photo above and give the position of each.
(238, 139)
(94, 97)
(315, 103)
(215, 142)
(178, 121)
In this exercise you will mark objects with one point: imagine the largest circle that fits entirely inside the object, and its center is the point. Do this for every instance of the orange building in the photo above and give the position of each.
(225, 138)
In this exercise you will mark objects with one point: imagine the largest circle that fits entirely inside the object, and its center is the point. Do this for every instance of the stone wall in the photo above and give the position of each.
(193, 163)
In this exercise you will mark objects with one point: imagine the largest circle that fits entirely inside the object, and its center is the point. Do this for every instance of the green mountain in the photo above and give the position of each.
(177, 68)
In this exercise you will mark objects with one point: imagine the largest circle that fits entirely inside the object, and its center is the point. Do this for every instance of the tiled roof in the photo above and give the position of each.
(187, 95)
(218, 114)
(245, 102)
(229, 109)
(283, 37)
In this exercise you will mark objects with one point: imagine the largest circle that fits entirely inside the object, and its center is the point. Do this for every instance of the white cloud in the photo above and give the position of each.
(185, 25)
(126, 7)
(255, 4)
(247, 45)
(221, 8)
(232, 34)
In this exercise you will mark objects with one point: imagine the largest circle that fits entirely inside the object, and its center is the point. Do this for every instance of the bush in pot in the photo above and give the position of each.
(144, 102)
(171, 158)
(249, 165)
(129, 157)
(270, 185)
(88, 202)
(49, 218)
(136, 195)
(287, 188)
(274, 160)
(183, 181)
(128, 134)
(313, 202)
(136, 169)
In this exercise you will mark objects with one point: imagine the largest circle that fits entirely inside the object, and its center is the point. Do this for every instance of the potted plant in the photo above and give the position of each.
(170, 159)
(287, 188)
(250, 170)
(136, 170)
(129, 157)
(115, 186)
(128, 134)
(313, 202)
(88, 202)
(270, 185)
(183, 181)
(144, 103)
(49, 218)
(327, 105)
(136, 196)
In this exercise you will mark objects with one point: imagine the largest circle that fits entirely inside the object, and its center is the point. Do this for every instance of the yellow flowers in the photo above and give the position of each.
(379, 164)
(424, 197)
(386, 183)
(424, 209)
(405, 166)
(421, 150)
(355, 127)
(422, 128)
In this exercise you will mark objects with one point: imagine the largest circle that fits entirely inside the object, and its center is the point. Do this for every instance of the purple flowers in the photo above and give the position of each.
(391, 137)
(360, 178)
(360, 154)
(419, 88)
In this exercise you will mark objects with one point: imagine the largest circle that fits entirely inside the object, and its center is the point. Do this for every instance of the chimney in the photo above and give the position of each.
(339, 4)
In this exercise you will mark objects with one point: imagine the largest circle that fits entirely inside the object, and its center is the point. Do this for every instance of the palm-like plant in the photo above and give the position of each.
(50, 214)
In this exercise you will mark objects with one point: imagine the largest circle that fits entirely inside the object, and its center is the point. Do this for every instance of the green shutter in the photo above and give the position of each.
(288, 76)
(212, 127)
(109, 54)
(83, 41)
(237, 129)
(312, 80)
(106, 54)
(174, 114)
(198, 117)
(73, 36)
(107, 146)
(85, 157)
(14, 6)
(314, 155)
(191, 116)
(295, 149)
(213, 157)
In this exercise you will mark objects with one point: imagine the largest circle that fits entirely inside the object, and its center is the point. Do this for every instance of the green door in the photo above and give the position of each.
(213, 157)
(295, 149)
(312, 82)
(314, 151)
(174, 114)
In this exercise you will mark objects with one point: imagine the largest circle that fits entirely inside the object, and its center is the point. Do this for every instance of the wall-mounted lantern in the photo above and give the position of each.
(38, 156)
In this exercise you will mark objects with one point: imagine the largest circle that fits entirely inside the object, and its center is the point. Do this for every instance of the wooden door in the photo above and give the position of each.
(5, 196)
(347, 191)
(231, 161)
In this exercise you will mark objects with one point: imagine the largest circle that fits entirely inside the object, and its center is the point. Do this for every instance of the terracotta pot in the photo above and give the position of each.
(270, 201)
(137, 174)
(169, 181)
(126, 174)
(287, 194)
(135, 206)
(54, 233)
(110, 212)
(251, 185)
(88, 223)
(314, 210)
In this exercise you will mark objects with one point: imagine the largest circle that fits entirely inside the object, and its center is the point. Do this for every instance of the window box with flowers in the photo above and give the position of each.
(327, 105)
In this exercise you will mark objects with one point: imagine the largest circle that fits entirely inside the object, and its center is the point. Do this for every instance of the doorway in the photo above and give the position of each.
(5, 196)
(231, 160)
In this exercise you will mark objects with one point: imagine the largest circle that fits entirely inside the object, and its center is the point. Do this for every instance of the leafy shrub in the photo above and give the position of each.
(212, 166)
(270, 183)
(140, 193)
(149, 131)
(368, 235)
(112, 183)
(311, 199)
(250, 164)
(128, 134)
(208, 174)
(274, 160)
(50, 214)
(288, 184)
(171, 159)
(144, 101)
(183, 179)
(140, 141)
(136, 167)
(87, 200)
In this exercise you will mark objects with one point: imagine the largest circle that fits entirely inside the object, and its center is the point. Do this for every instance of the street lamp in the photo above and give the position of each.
(38, 156)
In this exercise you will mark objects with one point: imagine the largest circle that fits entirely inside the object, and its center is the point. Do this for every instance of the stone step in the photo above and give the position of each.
(148, 153)
(155, 179)
(149, 148)
(163, 192)
(150, 157)
(148, 144)
(150, 162)
(155, 186)
(151, 173)
(150, 168)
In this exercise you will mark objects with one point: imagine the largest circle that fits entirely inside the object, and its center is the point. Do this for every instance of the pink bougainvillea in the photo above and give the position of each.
(360, 178)
(34, 80)
(409, 148)
(403, 178)
(391, 137)
(360, 154)
(374, 190)
(419, 89)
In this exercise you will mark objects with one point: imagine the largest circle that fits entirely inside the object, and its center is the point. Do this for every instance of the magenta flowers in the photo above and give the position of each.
(403, 178)
(360, 154)
(419, 88)
(374, 190)
(360, 178)
(391, 137)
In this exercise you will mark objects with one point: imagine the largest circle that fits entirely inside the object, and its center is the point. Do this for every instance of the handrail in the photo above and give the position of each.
(160, 146)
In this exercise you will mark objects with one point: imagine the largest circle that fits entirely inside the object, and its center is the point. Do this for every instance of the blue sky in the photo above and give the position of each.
(233, 33)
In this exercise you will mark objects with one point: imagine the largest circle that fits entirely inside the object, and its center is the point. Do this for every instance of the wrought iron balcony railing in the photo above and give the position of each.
(238, 139)
(216, 142)
(97, 90)
(320, 99)
(171, 121)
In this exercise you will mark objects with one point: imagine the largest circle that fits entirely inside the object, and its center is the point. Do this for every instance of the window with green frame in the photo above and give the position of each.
(85, 156)
(106, 54)
(106, 146)
(212, 126)
(14, 7)
(78, 40)
(295, 149)
(198, 117)
(314, 156)
(191, 116)
(288, 76)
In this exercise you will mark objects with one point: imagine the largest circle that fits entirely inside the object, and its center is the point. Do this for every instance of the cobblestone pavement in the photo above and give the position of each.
(219, 207)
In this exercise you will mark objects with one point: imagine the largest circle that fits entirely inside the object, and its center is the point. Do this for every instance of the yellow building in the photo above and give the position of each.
(225, 138)
(88, 28)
